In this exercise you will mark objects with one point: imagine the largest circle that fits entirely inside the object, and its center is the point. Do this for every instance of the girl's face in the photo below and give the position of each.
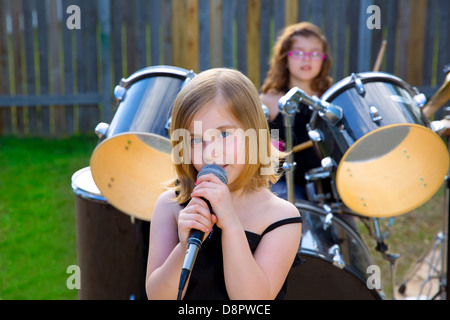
(217, 138)
(304, 69)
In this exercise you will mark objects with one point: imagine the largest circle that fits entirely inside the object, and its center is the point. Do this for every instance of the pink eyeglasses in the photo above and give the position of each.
(315, 55)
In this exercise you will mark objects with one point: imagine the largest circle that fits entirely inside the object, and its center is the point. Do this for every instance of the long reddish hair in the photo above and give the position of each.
(278, 75)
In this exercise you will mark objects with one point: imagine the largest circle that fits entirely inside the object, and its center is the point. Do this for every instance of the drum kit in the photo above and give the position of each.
(381, 158)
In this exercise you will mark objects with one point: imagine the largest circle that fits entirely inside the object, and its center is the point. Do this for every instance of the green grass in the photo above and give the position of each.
(37, 215)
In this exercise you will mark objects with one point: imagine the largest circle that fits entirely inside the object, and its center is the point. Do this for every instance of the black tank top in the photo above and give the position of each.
(207, 280)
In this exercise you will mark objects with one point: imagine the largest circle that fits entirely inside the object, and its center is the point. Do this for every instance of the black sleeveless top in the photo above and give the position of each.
(207, 280)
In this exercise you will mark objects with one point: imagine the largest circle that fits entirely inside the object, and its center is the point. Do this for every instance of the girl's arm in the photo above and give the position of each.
(165, 257)
(169, 232)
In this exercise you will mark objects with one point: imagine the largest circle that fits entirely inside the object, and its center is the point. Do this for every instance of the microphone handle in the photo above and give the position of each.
(194, 245)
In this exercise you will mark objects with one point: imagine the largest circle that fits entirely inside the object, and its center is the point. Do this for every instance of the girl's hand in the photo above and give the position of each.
(217, 193)
(195, 215)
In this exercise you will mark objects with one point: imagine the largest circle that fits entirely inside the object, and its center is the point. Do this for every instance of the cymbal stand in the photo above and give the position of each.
(382, 247)
(289, 106)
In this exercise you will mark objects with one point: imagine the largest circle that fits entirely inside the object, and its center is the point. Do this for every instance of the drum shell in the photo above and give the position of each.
(381, 89)
(144, 100)
(317, 278)
(112, 249)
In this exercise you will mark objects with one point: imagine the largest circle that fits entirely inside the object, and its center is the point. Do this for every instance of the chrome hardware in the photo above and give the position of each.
(328, 221)
(358, 85)
(315, 135)
(167, 126)
(338, 260)
(100, 130)
(420, 99)
(288, 104)
(328, 163)
(266, 111)
(119, 92)
(375, 114)
(189, 76)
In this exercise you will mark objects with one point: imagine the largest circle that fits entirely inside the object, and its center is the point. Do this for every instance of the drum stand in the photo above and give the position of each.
(434, 256)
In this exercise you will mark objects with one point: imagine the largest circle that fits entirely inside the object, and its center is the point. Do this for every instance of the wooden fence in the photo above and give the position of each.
(57, 79)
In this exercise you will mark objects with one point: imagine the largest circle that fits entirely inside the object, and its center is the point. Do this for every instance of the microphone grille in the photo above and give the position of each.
(217, 170)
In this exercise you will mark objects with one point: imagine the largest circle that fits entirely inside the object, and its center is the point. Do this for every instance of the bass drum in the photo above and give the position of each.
(112, 248)
(336, 260)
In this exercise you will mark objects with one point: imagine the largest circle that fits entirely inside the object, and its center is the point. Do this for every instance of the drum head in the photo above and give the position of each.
(392, 170)
(131, 170)
(84, 186)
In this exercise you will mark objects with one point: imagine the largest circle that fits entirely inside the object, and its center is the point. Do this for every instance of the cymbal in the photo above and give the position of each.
(131, 171)
(392, 170)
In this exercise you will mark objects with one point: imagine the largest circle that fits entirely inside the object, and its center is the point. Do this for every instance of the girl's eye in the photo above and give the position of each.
(196, 140)
(224, 134)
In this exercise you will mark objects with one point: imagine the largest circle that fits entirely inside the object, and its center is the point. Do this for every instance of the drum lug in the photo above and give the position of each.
(328, 218)
(358, 85)
(119, 92)
(101, 129)
(338, 260)
(420, 99)
(375, 114)
(315, 135)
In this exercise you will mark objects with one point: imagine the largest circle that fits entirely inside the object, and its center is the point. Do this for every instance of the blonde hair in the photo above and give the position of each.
(240, 99)
(278, 74)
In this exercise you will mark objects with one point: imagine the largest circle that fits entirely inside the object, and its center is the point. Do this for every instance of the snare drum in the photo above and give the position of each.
(132, 162)
(112, 248)
(390, 162)
(336, 260)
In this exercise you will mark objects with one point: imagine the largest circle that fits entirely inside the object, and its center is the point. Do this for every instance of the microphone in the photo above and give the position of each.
(195, 239)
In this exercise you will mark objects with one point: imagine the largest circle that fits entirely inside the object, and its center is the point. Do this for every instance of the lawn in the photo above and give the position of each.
(37, 215)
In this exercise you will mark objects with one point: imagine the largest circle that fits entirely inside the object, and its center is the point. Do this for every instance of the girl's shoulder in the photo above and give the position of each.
(272, 209)
(166, 204)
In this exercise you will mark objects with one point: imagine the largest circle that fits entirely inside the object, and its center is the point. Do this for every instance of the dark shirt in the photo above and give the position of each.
(207, 280)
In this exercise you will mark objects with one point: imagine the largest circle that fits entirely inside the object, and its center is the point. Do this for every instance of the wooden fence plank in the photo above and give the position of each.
(30, 123)
(203, 24)
(444, 41)
(265, 44)
(69, 75)
(416, 41)
(253, 43)
(104, 12)
(116, 41)
(228, 9)
(216, 34)
(430, 30)
(5, 114)
(154, 17)
(57, 125)
(291, 13)
(241, 35)
(178, 35)
(392, 12)
(18, 121)
(192, 45)
(41, 11)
